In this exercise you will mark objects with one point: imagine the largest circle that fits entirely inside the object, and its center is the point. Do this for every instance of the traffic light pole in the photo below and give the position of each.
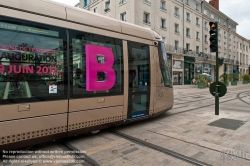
(217, 77)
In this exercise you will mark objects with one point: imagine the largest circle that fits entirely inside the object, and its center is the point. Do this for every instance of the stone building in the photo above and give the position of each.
(184, 26)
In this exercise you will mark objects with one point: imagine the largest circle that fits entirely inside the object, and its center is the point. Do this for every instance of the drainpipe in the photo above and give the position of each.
(202, 31)
(183, 26)
(228, 46)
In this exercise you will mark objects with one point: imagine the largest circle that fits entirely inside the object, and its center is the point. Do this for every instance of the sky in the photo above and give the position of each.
(237, 10)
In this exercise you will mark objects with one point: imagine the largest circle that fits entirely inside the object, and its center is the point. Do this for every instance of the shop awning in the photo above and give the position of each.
(236, 71)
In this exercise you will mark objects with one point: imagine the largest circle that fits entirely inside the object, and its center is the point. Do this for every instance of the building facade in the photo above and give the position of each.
(184, 26)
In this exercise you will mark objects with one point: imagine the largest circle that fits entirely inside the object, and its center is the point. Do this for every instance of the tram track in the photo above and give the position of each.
(158, 148)
(167, 151)
(204, 106)
(78, 155)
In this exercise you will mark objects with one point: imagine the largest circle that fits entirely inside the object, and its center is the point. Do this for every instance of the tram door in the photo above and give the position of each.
(139, 80)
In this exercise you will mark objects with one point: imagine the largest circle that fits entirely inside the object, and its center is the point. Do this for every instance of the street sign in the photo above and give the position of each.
(222, 89)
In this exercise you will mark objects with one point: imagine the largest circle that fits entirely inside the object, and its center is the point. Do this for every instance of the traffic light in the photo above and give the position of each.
(213, 36)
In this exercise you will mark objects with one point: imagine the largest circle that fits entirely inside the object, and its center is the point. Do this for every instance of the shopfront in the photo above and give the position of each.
(207, 68)
(170, 57)
(177, 67)
(228, 69)
(188, 70)
(178, 72)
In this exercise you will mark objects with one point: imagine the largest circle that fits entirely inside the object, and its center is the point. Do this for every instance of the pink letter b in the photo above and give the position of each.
(93, 67)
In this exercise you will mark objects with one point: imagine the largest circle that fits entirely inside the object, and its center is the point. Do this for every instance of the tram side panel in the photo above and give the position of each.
(96, 95)
(163, 95)
(33, 101)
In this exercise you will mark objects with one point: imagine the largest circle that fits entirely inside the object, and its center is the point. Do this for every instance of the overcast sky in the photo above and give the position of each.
(237, 10)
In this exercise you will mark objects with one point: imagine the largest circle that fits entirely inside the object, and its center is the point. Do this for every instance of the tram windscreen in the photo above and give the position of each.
(163, 60)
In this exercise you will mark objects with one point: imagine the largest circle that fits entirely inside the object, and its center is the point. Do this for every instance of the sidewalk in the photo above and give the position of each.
(239, 83)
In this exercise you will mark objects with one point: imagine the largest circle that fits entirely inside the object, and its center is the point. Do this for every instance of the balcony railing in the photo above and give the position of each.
(188, 35)
(188, 20)
(107, 9)
(177, 32)
(176, 14)
(163, 27)
(174, 49)
(163, 8)
(146, 21)
(147, 1)
(122, 2)
(197, 24)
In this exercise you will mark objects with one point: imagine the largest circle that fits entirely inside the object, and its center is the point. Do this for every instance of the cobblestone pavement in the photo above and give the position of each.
(191, 129)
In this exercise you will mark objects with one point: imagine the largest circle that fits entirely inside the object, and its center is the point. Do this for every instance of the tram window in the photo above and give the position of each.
(32, 59)
(164, 65)
(78, 56)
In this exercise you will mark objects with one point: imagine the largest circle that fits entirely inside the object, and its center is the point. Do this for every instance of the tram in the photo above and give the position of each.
(65, 71)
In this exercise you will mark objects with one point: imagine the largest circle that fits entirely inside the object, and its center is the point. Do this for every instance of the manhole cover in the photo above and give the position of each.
(228, 123)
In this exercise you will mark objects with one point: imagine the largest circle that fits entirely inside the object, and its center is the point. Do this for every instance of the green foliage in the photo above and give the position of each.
(224, 78)
(233, 76)
(246, 77)
(201, 78)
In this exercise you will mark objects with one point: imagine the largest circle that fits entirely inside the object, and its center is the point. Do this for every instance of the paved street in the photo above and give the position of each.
(190, 129)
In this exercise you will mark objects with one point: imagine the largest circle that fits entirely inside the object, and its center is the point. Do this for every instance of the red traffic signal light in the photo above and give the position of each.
(212, 24)
(213, 36)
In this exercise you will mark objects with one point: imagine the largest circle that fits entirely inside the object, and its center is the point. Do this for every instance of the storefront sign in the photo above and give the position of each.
(177, 64)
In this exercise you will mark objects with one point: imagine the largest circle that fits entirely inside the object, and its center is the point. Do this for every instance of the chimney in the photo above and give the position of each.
(214, 3)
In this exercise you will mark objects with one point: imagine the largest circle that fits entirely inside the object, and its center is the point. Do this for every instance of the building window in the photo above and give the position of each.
(122, 2)
(188, 32)
(197, 6)
(219, 32)
(176, 28)
(176, 45)
(176, 11)
(188, 46)
(197, 21)
(197, 36)
(206, 28)
(107, 6)
(205, 11)
(187, 3)
(163, 23)
(205, 50)
(85, 3)
(206, 38)
(164, 39)
(197, 50)
(95, 10)
(163, 5)
(146, 18)
(188, 17)
(212, 16)
(123, 16)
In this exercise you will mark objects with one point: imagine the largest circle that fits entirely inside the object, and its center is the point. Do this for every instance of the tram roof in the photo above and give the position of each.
(61, 11)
